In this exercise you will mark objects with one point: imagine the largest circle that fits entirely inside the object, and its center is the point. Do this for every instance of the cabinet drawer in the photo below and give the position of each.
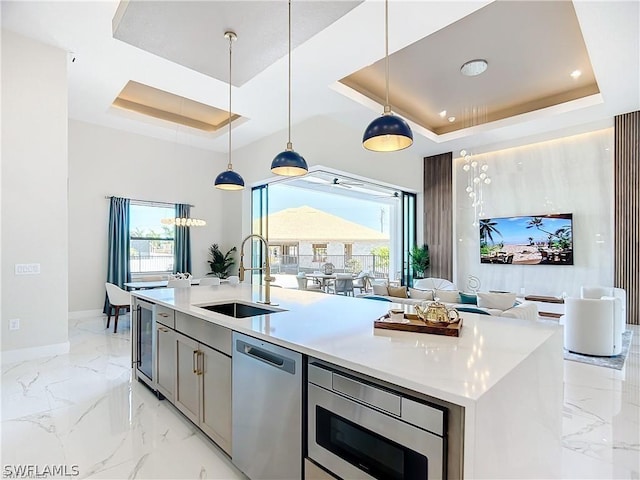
(205, 332)
(165, 316)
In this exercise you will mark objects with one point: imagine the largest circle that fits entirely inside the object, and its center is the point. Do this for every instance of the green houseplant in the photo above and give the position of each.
(219, 263)
(419, 260)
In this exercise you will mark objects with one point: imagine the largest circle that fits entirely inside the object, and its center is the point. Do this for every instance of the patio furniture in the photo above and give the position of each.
(362, 282)
(343, 284)
(303, 283)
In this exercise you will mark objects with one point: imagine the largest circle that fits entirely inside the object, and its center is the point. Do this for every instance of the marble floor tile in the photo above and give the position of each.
(83, 409)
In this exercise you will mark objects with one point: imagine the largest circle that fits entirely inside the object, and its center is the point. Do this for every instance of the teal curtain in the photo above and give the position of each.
(183, 241)
(118, 251)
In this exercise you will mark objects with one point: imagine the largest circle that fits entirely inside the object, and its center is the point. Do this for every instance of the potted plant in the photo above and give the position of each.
(219, 263)
(419, 260)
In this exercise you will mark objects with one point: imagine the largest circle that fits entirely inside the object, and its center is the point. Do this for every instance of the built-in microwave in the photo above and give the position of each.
(360, 430)
(144, 342)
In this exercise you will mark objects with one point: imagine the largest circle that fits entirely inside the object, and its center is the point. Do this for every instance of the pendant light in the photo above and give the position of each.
(388, 133)
(229, 180)
(289, 163)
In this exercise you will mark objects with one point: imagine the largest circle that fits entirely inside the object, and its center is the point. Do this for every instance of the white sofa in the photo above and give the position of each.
(496, 304)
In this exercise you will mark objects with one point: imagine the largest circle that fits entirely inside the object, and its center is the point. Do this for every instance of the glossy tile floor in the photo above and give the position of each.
(82, 409)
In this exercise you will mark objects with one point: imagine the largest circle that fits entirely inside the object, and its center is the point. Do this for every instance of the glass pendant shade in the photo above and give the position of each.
(289, 164)
(387, 133)
(229, 180)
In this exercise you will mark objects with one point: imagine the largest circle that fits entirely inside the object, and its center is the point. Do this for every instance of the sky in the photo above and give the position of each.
(148, 218)
(514, 231)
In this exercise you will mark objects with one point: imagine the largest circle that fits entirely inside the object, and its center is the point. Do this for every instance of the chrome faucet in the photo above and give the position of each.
(266, 268)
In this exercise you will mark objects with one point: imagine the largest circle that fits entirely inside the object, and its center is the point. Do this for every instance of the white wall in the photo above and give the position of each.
(103, 162)
(34, 194)
(568, 175)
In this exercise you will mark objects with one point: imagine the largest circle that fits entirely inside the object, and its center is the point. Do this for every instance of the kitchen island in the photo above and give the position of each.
(504, 373)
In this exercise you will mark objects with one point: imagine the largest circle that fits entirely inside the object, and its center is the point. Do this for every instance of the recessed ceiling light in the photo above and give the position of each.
(443, 113)
(576, 74)
(451, 119)
(474, 67)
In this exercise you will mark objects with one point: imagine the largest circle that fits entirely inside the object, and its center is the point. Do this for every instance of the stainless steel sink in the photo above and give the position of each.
(240, 310)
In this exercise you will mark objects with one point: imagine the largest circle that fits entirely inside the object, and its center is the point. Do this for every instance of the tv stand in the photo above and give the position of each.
(553, 306)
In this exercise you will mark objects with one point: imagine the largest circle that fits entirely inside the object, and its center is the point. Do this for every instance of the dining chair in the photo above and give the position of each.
(361, 282)
(210, 281)
(178, 283)
(118, 298)
(303, 283)
(343, 284)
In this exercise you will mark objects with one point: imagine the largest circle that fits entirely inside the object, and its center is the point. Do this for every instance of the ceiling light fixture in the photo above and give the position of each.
(451, 119)
(473, 68)
(443, 113)
(387, 133)
(576, 74)
(229, 180)
(289, 163)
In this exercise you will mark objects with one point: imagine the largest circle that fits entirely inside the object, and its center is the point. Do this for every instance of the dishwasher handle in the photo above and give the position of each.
(277, 361)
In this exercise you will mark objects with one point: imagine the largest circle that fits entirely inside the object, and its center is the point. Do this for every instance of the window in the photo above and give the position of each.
(348, 251)
(152, 243)
(319, 252)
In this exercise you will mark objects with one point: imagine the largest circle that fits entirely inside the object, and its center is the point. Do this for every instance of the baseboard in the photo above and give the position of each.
(22, 354)
(85, 314)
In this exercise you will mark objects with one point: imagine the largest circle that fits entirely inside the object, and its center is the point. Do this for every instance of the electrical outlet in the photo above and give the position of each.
(27, 269)
(14, 324)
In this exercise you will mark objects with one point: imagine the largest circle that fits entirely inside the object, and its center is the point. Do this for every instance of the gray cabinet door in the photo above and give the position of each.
(187, 394)
(215, 412)
(166, 358)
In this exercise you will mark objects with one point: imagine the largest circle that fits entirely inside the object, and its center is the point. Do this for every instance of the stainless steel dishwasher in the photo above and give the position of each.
(267, 409)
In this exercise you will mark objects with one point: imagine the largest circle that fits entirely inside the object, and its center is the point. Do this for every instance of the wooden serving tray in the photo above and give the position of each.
(418, 326)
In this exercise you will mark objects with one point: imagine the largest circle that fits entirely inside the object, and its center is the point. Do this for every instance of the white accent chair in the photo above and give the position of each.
(209, 281)
(599, 292)
(178, 283)
(118, 298)
(433, 283)
(593, 326)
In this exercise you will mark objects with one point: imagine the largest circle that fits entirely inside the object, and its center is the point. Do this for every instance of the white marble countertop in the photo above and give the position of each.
(340, 330)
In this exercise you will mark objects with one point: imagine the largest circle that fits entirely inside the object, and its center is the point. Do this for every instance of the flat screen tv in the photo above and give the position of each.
(532, 240)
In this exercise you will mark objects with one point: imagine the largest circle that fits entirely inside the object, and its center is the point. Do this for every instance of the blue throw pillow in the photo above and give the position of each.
(468, 298)
(472, 310)
(373, 297)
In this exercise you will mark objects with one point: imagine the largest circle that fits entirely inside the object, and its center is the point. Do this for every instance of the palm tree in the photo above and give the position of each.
(487, 229)
(537, 223)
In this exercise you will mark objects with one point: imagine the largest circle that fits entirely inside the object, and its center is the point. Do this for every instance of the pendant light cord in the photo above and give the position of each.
(387, 108)
(289, 145)
(229, 166)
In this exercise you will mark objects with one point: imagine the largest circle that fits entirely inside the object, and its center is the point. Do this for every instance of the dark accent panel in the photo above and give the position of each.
(627, 211)
(438, 213)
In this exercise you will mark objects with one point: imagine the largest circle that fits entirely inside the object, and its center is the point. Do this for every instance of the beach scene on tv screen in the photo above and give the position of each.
(532, 240)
